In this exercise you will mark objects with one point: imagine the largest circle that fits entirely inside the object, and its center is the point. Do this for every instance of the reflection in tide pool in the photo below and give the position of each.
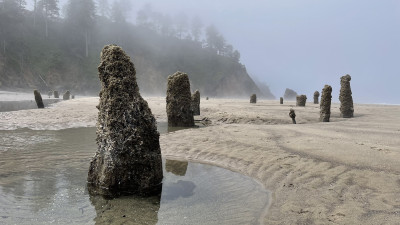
(43, 180)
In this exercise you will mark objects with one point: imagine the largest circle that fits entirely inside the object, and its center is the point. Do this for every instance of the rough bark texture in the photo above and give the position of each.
(179, 100)
(196, 103)
(38, 99)
(56, 94)
(301, 100)
(346, 99)
(292, 115)
(66, 95)
(281, 100)
(316, 96)
(128, 159)
(325, 105)
(253, 98)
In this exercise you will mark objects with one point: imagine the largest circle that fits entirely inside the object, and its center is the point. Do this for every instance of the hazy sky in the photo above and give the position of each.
(305, 44)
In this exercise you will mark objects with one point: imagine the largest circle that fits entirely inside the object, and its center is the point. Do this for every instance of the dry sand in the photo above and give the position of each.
(343, 172)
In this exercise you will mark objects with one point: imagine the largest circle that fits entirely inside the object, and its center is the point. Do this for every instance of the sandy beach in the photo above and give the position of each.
(346, 171)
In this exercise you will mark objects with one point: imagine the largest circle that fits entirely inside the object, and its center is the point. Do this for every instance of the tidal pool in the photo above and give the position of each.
(43, 181)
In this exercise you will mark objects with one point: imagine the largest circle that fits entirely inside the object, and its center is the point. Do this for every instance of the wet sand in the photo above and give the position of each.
(343, 172)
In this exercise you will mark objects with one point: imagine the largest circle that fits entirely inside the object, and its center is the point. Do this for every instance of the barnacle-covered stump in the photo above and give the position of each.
(196, 103)
(66, 95)
(253, 98)
(301, 100)
(325, 105)
(38, 99)
(128, 158)
(179, 100)
(316, 96)
(346, 99)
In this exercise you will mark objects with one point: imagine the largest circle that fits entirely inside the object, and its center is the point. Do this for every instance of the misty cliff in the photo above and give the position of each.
(66, 58)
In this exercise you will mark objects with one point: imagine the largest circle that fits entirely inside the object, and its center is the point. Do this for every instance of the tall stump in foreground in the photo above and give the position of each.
(179, 100)
(346, 99)
(316, 96)
(301, 100)
(196, 103)
(128, 158)
(325, 105)
(67, 95)
(38, 99)
(281, 100)
(253, 98)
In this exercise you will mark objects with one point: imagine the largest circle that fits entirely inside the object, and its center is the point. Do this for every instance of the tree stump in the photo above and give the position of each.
(345, 97)
(325, 105)
(179, 100)
(253, 98)
(196, 103)
(301, 100)
(66, 95)
(128, 158)
(316, 96)
(38, 99)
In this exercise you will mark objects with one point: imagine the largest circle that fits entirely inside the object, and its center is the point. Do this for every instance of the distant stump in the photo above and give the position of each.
(325, 105)
(179, 100)
(345, 97)
(253, 98)
(38, 99)
(196, 103)
(301, 100)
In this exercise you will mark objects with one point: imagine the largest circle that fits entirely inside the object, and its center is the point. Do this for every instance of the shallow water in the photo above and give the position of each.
(43, 180)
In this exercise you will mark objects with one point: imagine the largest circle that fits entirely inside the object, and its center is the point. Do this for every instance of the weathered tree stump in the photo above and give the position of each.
(292, 115)
(253, 98)
(346, 99)
(206, 98)
(301, 100)
(325, 105)
(128, 158)
(281, 100)
(66, 95)
(179, 100)
(56, 94)
(196, 103)
(316, 96)
(38, 99)
(72, 96)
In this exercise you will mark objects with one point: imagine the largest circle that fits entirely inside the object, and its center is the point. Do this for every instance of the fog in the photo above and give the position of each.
(306, 44)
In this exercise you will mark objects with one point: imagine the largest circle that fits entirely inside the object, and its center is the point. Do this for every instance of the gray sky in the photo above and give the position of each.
(305, 44)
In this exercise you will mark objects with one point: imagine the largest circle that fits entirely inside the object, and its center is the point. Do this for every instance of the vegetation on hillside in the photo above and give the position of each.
(40, 49)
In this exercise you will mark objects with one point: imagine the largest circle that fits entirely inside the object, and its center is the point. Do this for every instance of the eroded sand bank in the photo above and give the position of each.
(343, 172)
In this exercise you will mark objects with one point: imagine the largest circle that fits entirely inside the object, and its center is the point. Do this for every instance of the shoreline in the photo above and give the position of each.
(342, 172)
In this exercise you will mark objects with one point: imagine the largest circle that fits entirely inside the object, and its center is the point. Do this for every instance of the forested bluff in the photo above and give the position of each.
(42, 49)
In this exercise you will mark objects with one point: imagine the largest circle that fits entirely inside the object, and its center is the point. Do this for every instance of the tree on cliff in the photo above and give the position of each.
(80, 18)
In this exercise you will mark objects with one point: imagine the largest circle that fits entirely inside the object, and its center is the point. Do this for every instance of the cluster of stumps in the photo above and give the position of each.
(345, 97)
(128, 159)
(39, 101)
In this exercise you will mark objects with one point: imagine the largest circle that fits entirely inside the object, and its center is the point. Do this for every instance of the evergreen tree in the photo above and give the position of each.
(49, 10)
(196, 27)
(80, 16)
